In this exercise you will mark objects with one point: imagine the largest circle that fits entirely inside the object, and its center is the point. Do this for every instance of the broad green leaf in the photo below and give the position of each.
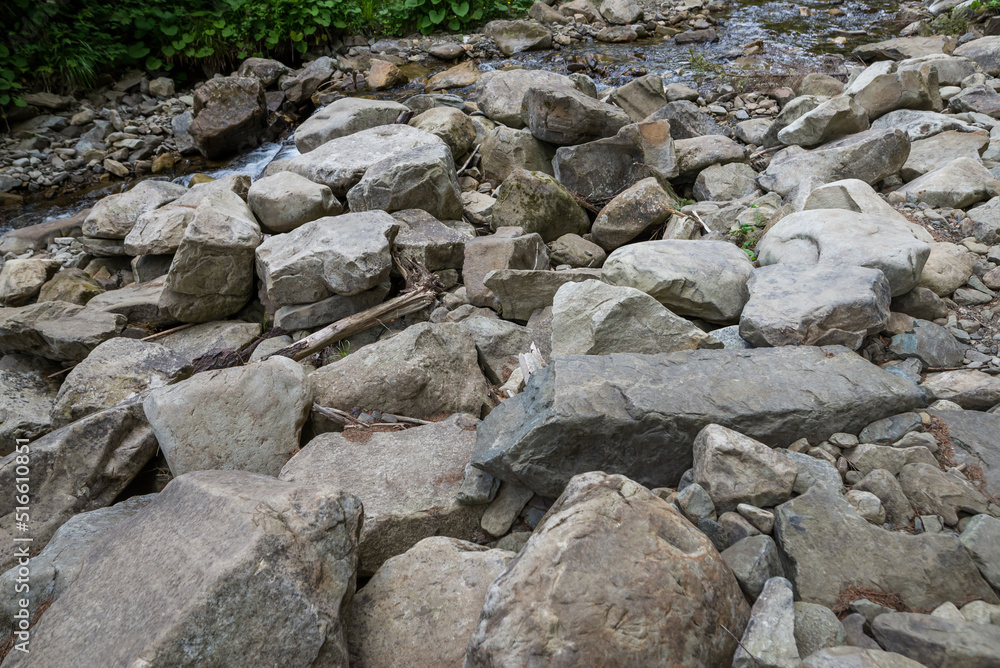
(436, 15)
(153, 63)
(169, 31)
(460, 9)
(137, 51)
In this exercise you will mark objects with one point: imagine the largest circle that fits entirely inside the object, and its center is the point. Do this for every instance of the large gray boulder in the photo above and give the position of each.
(211, 276)
(594, 318)
(986, 221)
(858, 196)
(117, 370)
(561, 574)
(345, 117)
(81, 467)
(426, 370)
(633, 211)
(697, 153)
(565, 116)
(624, 413)
(704, 279)
(342, 255)
(926, 155)
(769, 638)
(23, 278)
(984, 51)
(423, 604)
(420, 178)
(245, 418)
(538, 203)
(603, 168)
(56, 567)
(814, 305)
(920, 124)
(869, 156)
(972, 435)
(840, 237)
(425, 239)
(274, 546)
(340, 163)
(56, 330)
(230, 114)
(406, 480)
(958, 184)
(114, 216)
(902, 89)
(500, 93)
(826, 547)
(520, 293)
(517, 36)
(508, 248)
(506, 149)
(643, 95)
(722, 183)
(948, 267)
(452, 125)
(936, 641)
(286, 201)
(830, 120)
(687, 120)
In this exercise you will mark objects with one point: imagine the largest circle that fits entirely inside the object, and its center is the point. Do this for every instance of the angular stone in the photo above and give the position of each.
(793, 304)
(265, 69)
(341, 163)
(426, 370)
(885, 486)
(56, 330)
(317, 314)
(948, 267)
(538, 203)
(826, 547)
(622, 413)
(505, 150)
(26, 402)
(705, 279)
(500, 93)
(687, 120)
(301, 86)
(343, 255)
(698, 153)
(903, 89)
(867, 458)
(958, 184)
(986, 219)
(272, 544)
(604, 168)
(857, 657)
(114, 216)
(345, 117)
(769, 638)
(926, 155)
(901, 48)
(593, 318)
(920, 124)
(830, 120)
(423, 604)
(508, 248)
(938, 642)
(420, 178)
(574, 250)
(735, 469)
(22, 279)
(81, 467)
(972, 390)
(69, 285)
(753, 560)
(211, 276)
(723, 183)
(407, 481)
(286, 201)
(554, 577)
(643, 95)
(116, 371)
(934, 492)
(459, 76)
(565, 116)
(517, 36)
(424, 239)
(522, 292)
(835, 236)
(229, 335)
(816, 628)
(244, 418)
(869, 156)
(984, 51)
(932, 344)
(640, 207)
(230, 114)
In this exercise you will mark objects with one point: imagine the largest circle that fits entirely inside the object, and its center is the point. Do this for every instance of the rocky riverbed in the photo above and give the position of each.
(523, 367)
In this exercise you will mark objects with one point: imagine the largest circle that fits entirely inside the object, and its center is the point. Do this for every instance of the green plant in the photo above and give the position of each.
(342, 350)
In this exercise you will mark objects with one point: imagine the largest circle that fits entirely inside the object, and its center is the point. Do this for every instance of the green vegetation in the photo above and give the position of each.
(747, 234)
(342, 350)
(66, 44)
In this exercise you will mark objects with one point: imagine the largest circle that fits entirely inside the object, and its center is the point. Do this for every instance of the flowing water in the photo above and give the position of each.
(792, 35)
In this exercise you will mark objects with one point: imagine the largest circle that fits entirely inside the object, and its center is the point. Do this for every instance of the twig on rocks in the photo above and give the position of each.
(178, 328)
(471, 157)
(742, 646)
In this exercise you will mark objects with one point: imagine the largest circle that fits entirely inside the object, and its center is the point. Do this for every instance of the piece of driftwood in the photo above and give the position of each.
(531, 362)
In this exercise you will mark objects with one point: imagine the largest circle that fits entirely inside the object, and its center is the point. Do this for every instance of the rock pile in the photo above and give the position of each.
(755, 428)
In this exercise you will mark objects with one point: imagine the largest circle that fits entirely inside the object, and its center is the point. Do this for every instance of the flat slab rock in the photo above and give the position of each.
(638, 415)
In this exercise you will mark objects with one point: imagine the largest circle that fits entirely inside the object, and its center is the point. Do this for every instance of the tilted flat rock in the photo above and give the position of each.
(516, 36)
(452, 125)
(270, 545)
(814, 305)
(340, 163)
(422, 177)
(56, 330)
(113, 216)
(508, 248)
(115, 371)
(869, 156)
(901, 48)
(958, 184)
(506, 149)
(902, 89)
(594, 318)
(984, 51)
(522, 292)
(926, 155)
(500, 93)
(830, 120)
(345, 117)
(80, 467)
(605, 167)
(856, 657)
(920, 124)
(425, 370)
(970, 389)
(840, 237)
(21, 279)
(972, 435)
(423, 604)
(770, 634)
(631, 212)
(609, 556)
(537, 202)
(705, 279)
(638, 415)
(286, 200)
(826, 547)
(565, 116)
(344, 255)
(406, 480)
(247, 418)
(425, 239)
(935, 641)
(211, 276)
